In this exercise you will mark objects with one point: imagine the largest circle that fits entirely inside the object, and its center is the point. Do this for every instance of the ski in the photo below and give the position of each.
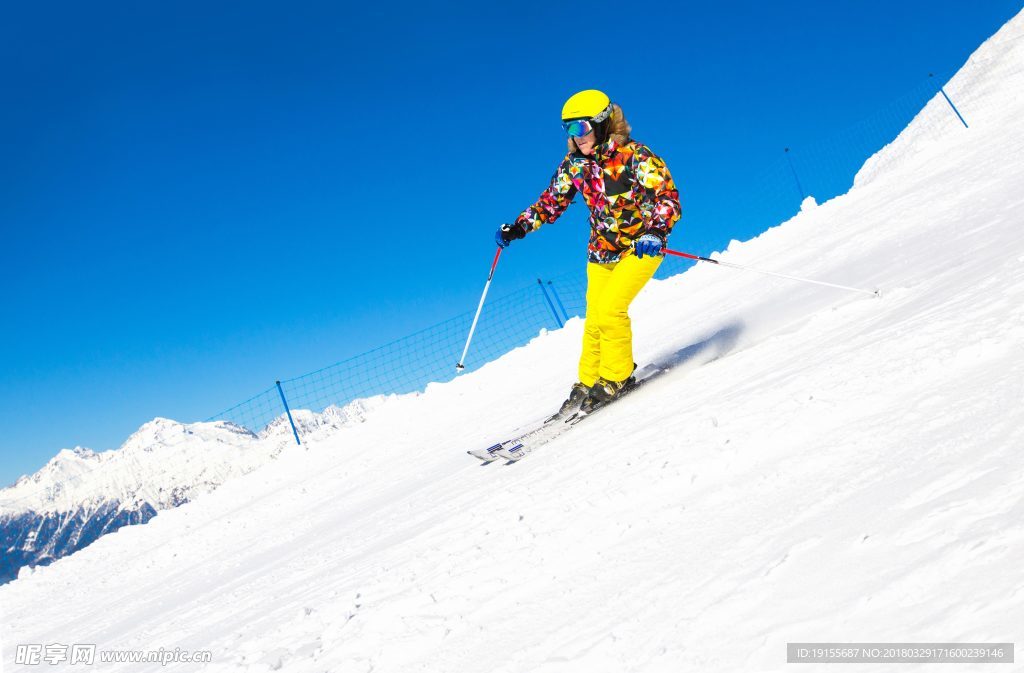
(513, 449)
(501, 449)
(517, 448)
(491, 453)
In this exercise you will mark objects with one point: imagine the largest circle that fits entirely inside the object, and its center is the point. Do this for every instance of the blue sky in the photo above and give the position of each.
(200, 198)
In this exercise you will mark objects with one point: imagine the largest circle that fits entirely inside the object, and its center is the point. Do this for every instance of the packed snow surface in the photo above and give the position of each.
(816, 466)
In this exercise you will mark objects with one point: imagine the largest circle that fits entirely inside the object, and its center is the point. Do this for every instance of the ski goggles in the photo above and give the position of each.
(577, 128)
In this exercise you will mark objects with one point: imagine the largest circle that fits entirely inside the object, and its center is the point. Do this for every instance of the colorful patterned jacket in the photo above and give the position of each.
(629, 192)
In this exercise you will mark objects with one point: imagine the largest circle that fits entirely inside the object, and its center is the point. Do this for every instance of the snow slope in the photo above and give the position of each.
(81, 495)
(817, 466)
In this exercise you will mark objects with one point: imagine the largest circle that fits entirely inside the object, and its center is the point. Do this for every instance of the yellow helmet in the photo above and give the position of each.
(589, 104)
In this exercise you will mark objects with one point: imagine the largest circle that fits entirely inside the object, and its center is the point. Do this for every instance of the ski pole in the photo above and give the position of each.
(459, 366)
(874, 293)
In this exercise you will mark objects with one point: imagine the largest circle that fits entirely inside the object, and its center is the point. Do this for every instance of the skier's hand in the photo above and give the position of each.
(648, 244)
(507, 233)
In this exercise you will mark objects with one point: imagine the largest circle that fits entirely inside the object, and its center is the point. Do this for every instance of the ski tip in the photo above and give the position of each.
(483, 461)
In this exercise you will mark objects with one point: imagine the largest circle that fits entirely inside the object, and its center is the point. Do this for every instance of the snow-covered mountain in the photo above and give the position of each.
(816, 466)
(80, 495)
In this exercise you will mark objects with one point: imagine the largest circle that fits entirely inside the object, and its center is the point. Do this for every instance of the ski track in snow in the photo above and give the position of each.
(816, 466)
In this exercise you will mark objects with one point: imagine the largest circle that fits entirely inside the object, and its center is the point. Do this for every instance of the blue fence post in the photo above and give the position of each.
(799, 187)
(289, 412)
(550, 305)
(942, 90)
(558, 300)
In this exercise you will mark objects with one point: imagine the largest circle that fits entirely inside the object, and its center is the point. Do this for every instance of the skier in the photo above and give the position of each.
(633, 205)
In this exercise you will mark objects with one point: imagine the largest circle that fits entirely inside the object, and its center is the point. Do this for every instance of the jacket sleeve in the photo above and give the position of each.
(658, 193)
(553, 201)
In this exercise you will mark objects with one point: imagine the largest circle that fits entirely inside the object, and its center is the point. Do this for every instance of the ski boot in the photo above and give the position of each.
(577, 395)
(604, 391)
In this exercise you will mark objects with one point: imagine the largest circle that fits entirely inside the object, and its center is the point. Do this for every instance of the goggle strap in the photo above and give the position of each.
(602, 115)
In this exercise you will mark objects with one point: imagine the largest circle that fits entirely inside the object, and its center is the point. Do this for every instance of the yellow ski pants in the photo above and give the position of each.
(607, 333)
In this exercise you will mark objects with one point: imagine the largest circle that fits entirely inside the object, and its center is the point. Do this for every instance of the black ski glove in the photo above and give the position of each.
(508, 233)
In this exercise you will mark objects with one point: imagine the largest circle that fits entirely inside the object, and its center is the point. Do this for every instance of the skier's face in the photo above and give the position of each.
(586, 143)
